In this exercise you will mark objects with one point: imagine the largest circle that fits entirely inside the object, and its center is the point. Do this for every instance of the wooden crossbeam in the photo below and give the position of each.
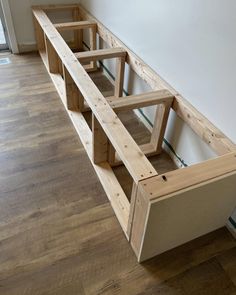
(141, 100)
(100, 54)
(56, 7)
(79, 25)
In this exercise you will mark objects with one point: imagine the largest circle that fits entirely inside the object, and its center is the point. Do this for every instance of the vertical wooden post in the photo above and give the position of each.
(74, 98)
(53, 60)
(93, 44)
(132, 208)
(60, 67)
(100, 142)
(119, 83)
(159, 127)
(111, 154)
(39, 35)
(78, 34)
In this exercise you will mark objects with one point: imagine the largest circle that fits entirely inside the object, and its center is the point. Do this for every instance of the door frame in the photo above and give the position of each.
(9, 27)
(4, 46)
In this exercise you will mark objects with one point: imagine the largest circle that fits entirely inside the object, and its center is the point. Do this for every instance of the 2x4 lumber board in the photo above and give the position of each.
(147, 148)
(221, 145)
(132, 208)
(39, 34)
(134, 159)
(120, 72)
(74, 98)
(100, 142)
(159, 126)
(53, 62)
(93, 44)
(132, 102)
(57, 79)
(201, 125)
(174, 181)
(78, 34)
(100, 54)
(79, 25)
(113, 189)
(56, 7)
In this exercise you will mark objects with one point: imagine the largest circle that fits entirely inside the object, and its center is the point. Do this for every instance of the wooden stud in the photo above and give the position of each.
(209, 133)
(78, 34)
(159, 126)
(132, 102)
(119, 82)
(148, 149)
(56, 7)
(53, 60)
(93, 45)
(39, 34)
(100, 54)
(132, 208)
(79, 25)
(111, 155)
(100, 142)
(74, 98)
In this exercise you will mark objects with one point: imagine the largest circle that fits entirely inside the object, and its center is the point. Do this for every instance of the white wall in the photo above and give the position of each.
(22, 19)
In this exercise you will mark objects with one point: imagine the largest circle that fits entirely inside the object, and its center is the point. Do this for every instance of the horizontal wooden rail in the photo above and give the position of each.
(174, 181)
(100, 54)
(134, 159)
(56, 7)
(80, 25)
(141, 100)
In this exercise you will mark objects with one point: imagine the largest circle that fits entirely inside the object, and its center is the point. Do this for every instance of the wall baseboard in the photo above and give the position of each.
(231, 229)
(24, 48)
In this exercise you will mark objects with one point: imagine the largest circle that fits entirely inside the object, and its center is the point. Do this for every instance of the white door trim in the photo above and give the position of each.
(9, 26)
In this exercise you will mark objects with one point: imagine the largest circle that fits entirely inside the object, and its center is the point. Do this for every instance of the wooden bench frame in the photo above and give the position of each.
(152, 194)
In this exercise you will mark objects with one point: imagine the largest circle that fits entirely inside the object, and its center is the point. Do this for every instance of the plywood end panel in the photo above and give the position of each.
(178, 218)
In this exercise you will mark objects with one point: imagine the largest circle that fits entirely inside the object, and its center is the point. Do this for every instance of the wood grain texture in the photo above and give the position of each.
(58, 232)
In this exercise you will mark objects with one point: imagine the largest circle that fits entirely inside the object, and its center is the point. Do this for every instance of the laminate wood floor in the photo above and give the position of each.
(58, 233)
